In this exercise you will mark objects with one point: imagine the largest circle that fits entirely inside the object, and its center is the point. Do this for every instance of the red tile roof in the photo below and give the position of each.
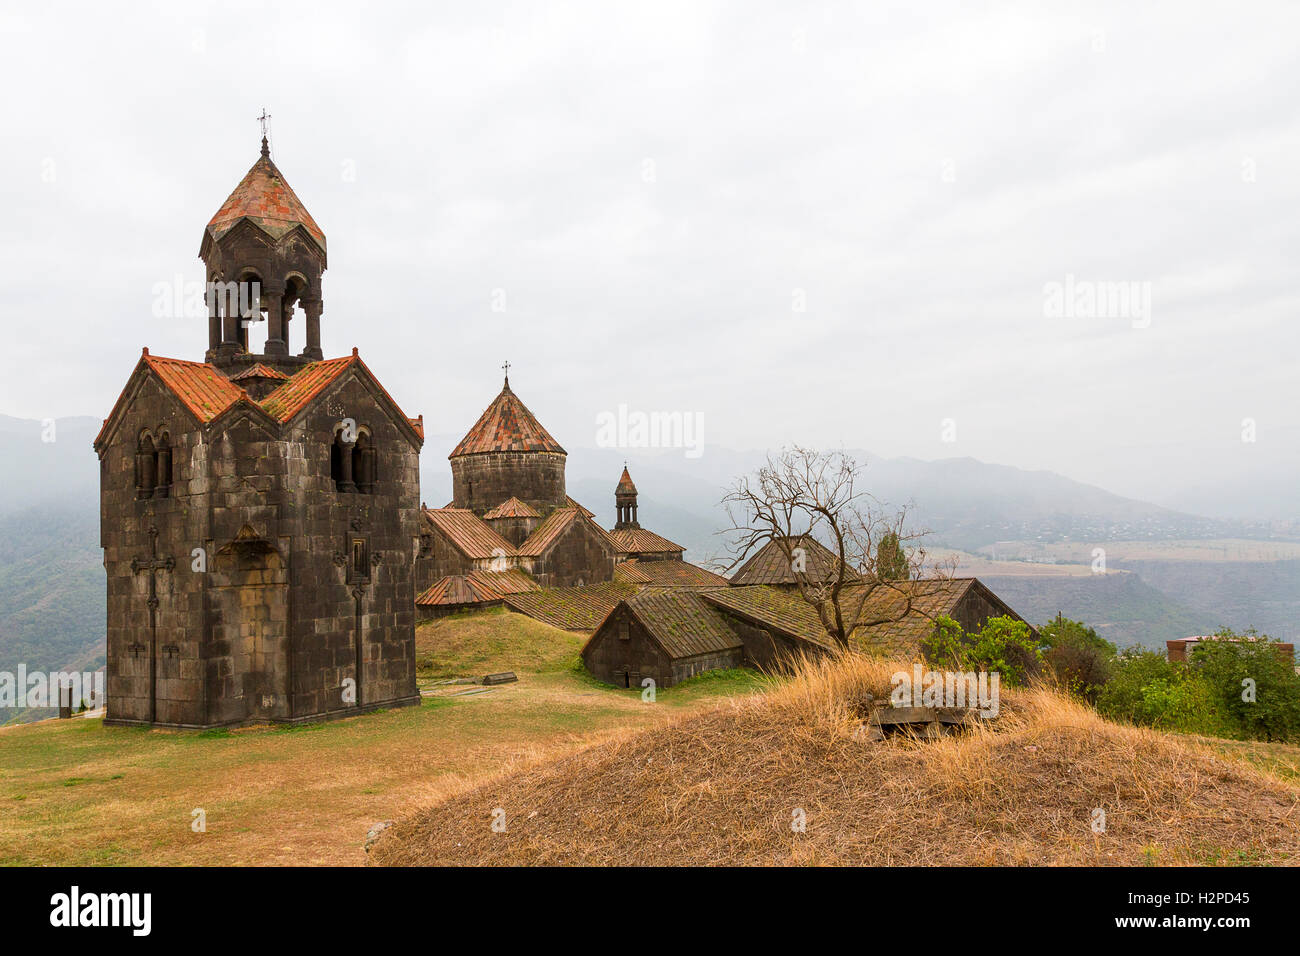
(512, 508)
(204, 391)
(545, 534)
(477, 587)
(625, 486)
(264, 197)
(293, 396)
(574, 504)
(468, 533)
(641, 541)
(259, 371)
(506, 425)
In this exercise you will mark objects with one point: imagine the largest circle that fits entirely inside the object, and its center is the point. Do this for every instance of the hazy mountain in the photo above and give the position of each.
(51, 572)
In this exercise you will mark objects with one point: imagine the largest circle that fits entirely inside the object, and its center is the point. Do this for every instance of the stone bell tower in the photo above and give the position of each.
(264, 255)
(625, 502)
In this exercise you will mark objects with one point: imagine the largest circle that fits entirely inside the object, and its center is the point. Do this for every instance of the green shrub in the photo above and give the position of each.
(1003, 644)
(1252, 684)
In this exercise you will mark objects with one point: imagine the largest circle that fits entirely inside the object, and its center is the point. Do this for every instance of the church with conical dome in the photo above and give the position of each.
(511, 526)
(260, 511)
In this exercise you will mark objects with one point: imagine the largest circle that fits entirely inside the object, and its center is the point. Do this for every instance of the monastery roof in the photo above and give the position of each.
(883, 625)
(207, 393)
(477, 587)
(506, 425)
(264, 198)
(556, 523)
(683, 623)
(573, 504)
(641, 541)
(200, 387)
(469, 533)
(572, 609)
(625, 485)
(671, 574)
(513, 508)
(769, 565)
(259, 371)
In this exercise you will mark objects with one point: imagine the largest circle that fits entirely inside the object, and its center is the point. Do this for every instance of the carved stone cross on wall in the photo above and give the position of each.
(153, 564)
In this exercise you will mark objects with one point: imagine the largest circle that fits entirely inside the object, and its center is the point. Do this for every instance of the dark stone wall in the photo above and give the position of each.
(437, 558)
(579, 556)
(481, 482)
(624, 663)
(515, 530)
(684, 668)
(272, 567)
(766, 650)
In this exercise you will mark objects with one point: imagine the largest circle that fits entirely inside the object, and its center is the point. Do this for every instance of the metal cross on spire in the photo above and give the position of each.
(264, 119)
(506, 369)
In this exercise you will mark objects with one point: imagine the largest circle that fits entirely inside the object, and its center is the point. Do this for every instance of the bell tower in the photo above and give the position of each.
(264, 255)
(625, 502)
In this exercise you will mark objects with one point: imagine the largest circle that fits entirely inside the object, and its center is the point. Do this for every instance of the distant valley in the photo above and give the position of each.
(1029, 535)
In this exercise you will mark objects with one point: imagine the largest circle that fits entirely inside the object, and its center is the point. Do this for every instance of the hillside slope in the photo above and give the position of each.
(724, 787)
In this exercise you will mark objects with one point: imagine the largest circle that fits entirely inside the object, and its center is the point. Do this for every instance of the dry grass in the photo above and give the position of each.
(722, 787)
(75, 792)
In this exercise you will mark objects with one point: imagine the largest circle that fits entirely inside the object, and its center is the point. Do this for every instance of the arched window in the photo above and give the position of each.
(163, 467)
(343, 457)
(363, 463)
(146, 466)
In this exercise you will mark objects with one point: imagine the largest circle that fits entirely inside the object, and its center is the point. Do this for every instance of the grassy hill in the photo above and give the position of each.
(724, 787)
(75, 792)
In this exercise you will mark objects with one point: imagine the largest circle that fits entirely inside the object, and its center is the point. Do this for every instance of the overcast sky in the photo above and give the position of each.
(655, 190)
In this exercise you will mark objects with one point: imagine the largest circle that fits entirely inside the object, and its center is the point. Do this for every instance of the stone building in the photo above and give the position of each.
(669, 636)
(510, 510)
(666, 636)
(259, 512)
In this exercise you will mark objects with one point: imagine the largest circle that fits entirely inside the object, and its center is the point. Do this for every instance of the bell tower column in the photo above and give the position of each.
(312, 308)
(273, 302)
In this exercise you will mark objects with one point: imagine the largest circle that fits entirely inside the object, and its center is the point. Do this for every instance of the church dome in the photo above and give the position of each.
(508, 454)
(264, 198)
(507, 426)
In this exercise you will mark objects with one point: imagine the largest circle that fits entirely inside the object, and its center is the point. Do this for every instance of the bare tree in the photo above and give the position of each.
(804, 496)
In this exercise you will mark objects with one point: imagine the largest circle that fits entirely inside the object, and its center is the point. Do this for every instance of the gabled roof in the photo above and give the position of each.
(264, 198)
(641, 541)
(506, 425)
(682, 623)
(768, 607)
(769, 565)
(207, 393)
(625, 486)
(301, 388)
(669, 574)
(883, 624)
(556, 523)
(200, 387)
(259, 371)
(572, 609)
(573, 504)
(477, 587)
(512, 508)
(468, 533)
(304, 385)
